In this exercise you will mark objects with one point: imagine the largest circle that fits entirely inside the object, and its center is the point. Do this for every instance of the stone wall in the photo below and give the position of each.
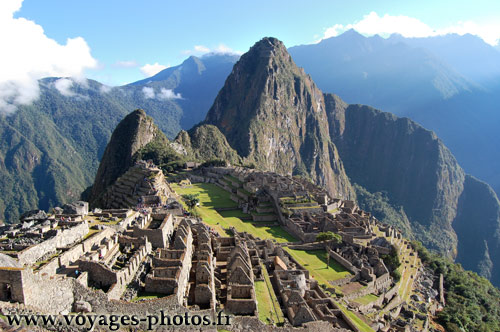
(342, 261)
(65, 238)
(158, 237)
(73, 254)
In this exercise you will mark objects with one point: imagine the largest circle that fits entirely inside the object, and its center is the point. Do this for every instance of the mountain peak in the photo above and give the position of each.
(132, 133)
(273, 114)
(268, 47)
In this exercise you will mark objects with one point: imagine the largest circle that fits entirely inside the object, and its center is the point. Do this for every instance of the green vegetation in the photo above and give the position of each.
(212, 197)
(315, 262)
(369, 298)
(392, 262)
(380, 206)
(363, 327)
(162, 154)
(329, 236)
(191, 200)
(147, 296)
(268, 305)
(472, 302)
(234, 213)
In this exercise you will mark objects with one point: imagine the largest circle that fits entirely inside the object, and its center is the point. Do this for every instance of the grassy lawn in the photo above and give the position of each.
(369, 298)
(268, 306)
(90, 233)
(212, 196)
(315, 262)
(147, 296)
(358, 321)
(235, 214)
(234, 179)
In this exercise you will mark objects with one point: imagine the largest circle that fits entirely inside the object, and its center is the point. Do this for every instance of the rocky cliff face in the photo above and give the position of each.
(274, 116)
(135, 131)
(447, 209)
(477, 225)
(382, 152)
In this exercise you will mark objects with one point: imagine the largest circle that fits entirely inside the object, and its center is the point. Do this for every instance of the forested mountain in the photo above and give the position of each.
(50, 150)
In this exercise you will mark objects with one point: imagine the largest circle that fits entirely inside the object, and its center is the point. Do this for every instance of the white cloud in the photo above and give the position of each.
(406, 26)
(28, 55)
(168, 94)
(219, 49)
(201, 49)
(149, 93)
(149, 70)
(64, 85)
(126, 64)
(105, 89)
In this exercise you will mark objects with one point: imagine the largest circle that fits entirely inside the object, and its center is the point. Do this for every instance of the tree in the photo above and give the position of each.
(329, 236)
(191, 200)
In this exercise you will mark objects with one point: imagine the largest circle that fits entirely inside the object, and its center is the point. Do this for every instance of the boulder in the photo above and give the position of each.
(82, 306)
(34, 215)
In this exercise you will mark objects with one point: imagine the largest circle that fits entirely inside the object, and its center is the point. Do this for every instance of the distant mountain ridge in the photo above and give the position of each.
(449, 84)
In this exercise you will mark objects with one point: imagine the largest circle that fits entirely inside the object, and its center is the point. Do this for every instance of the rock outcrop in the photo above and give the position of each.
(274, 116)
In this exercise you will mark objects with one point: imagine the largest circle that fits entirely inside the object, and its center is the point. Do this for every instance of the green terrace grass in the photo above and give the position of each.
(263, 213)
(245, 191)
(212, 197)
(147, 296)
(362, 326)
(234, 213)
(268, 305)
(303, 207)
(234, 179)
(315, 262)
(369, 298)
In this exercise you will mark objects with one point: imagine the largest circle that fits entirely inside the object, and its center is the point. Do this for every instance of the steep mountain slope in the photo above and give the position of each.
(64, 132)
(478, 229)
(433, 81)
(447, 209)
(274, 116)
(134, 132)
(206, 142)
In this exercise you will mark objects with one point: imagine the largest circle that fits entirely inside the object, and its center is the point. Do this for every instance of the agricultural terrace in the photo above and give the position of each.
(213, 197)
(315, 262)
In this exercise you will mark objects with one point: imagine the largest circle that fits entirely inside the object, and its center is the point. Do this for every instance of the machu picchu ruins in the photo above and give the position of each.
(144, 248)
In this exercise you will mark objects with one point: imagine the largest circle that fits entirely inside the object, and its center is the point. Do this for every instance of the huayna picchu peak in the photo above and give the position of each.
(273, 114)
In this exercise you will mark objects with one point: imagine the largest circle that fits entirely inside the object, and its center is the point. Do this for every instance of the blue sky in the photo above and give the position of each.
(118, 38)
